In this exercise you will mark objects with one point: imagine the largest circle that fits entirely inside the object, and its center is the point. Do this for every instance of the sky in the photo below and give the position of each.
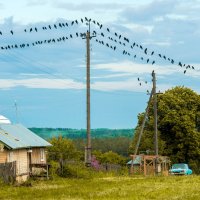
(44, 85)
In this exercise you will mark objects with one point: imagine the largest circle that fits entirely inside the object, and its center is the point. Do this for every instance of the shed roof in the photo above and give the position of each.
(16, 136)
(136, 161)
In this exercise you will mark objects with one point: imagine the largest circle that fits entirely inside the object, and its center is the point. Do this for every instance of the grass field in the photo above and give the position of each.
(144, 188)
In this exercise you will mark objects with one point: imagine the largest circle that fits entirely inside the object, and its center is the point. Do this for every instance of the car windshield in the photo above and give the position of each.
(177, 166)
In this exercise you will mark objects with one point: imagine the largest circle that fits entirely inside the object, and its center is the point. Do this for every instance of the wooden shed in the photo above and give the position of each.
(23, 148)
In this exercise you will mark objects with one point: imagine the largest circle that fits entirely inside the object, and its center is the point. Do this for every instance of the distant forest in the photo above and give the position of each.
(48, 133)
(104, 140)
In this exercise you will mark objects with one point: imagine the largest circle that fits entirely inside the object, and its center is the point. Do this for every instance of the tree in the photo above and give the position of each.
(178, 126)
(62, 149)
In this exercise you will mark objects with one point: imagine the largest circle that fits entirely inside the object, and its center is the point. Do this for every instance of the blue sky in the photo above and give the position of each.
(48, 81)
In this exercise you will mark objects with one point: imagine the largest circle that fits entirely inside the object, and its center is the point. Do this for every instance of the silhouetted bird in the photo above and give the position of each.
(172, 61)
(141, 47)
(31, 29)
(180, 64)
(102, 34)
(164, 57)
(108, 29)
(55, 26)
(72, 23)
(49, 27)
(153, 62)
(81, 20)
(66, 24)
(94, 21)
(115, 34)
(114, 48)
(100, 26)
(11, 32)
(86, 18)
(160, 55)
(76, 21)
(147, 60)
(120, 36)
(145, 51)
(134, 56)
(0, 33)
(70, 35)
(76, 34)
(184, 71)
(140, 84)
(35, 29)
(152, 53)
(138, 79)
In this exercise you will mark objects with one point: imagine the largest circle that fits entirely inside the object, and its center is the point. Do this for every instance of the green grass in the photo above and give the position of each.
(140, 188)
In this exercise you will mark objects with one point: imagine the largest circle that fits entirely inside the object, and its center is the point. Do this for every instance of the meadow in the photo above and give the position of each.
(107, 187)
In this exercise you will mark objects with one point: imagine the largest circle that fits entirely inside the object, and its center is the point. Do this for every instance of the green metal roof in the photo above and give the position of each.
(136, 161)
(16, 136)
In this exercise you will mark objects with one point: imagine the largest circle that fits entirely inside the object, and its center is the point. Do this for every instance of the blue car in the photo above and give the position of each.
(180, 169)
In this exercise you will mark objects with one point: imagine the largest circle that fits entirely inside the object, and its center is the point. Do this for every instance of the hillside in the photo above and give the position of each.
(47, 133)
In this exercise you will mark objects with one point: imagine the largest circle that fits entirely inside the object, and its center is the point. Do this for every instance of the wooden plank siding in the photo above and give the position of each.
(36, 156)
(3, 157)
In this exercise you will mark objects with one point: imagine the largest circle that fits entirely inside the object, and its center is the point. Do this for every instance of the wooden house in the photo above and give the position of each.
(23, 148)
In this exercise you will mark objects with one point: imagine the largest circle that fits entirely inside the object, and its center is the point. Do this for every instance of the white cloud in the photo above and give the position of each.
(41, 83)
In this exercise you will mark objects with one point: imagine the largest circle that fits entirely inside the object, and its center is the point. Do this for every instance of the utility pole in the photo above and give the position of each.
(88, 148)
(155, 121)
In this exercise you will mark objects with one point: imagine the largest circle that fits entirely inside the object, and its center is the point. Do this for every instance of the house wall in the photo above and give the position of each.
(38, 155)
(3, 157)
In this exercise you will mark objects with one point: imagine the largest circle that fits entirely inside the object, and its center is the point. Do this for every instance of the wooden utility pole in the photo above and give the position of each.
(155, 121)
(155, 115)
(88, 148)
(88, 145)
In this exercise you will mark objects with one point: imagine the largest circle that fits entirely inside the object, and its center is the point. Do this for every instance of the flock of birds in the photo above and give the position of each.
(115, 38)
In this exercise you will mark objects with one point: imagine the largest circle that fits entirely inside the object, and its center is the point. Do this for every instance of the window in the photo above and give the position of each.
(10, 156)
(42, 154)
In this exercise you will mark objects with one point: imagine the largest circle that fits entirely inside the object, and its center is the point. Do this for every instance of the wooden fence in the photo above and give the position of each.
(8, 172)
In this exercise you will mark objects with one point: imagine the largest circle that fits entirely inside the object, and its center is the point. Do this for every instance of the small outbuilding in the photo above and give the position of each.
(22, 152)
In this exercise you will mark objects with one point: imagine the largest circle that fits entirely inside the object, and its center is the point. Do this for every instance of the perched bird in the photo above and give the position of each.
(66, 24)
(76, 21)
(72, 23)
(184, 71)
(138, 79)
(153, 62)
(11, 32)
(81, 20)
(147, 60)
(114, 48)
(31, 29)
(70, 35)
(180, 64)
(35, 29)
(55, 26)
(76, 34)
(49, 26)
(1, 32)
(102, 34)
(108, 29)
(115, 34)
(160, 55)
(152, 53)
(100, 26)
(120, 36)
(145, 51)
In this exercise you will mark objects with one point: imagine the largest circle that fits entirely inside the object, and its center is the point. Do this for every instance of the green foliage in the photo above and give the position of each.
(118, 145)
(76, 170)
(178, 126)
(109, 157)
(62, 149)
